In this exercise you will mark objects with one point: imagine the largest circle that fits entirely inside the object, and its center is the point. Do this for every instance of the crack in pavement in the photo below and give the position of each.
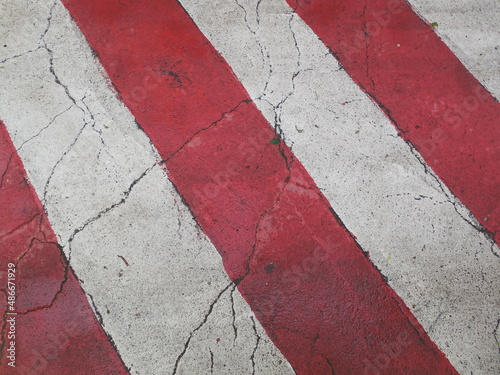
(257, 342)
(329, 363)
(205, 319)
(261, 216)
(452, 199)
(64, 262)
(43, 44)
(44, 128)
(211, 361)
(93, 123)
(233, 312)
(495, 334)
(103, 212)
(278, 108)
(49, 22)
(20, 55)
(263, 50)
(215, 123)
(493, 247)
(85, 110)
(26, 223)
(47, 183)
(57, 80)
(40, 40)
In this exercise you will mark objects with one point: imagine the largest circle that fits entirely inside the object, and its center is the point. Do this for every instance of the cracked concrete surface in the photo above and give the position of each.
(209, 344)
(432, 250)
(222, 117)
(154, 281)
(99, 172)
(180, 290)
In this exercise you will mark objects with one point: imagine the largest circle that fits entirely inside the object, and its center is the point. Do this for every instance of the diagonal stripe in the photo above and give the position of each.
(470, 30)
(435, 103)
(54, 330)
(317, 295)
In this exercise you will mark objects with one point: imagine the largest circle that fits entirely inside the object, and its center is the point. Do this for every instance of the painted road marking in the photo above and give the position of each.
(434, 101)
(272, 226)
(403, 175)
(414, 229)
(52, 311)
(173, 305)
(470, 29)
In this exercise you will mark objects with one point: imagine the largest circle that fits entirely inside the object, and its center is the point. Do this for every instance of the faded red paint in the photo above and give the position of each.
(319, 298)
(56, 332)
(434, 101)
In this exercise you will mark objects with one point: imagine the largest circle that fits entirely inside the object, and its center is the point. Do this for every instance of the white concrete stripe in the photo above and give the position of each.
(154, 279)
(420, 237)
(472, 31)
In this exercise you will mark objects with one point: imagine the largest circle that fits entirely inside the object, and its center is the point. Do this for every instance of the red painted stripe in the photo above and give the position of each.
(319, 298)
(55, 330)
(436, 104)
